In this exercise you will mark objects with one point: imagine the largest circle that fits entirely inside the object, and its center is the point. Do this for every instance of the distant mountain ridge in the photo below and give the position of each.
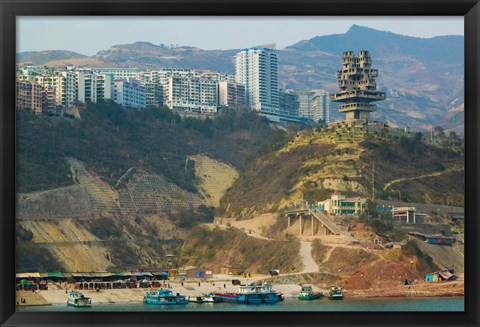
(42, 57)
(423, 77)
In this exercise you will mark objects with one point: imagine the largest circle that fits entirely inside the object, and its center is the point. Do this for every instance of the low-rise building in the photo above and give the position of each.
(338, 204)
(192, 272)
(408, 215)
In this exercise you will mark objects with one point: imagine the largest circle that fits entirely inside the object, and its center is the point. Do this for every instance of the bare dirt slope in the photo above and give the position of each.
(215, 177)
(72, 245)
(257, 225)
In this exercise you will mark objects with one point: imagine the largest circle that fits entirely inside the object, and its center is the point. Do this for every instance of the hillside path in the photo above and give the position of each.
(251, 233)
(328, 255)
(306, 255)
(438, 173)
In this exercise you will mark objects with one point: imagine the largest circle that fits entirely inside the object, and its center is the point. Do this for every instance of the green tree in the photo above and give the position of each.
(418, 137)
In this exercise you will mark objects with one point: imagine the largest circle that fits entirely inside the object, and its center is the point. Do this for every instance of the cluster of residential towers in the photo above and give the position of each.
(255, 84)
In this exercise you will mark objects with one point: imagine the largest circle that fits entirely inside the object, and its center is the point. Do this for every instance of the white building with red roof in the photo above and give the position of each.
(338, 204)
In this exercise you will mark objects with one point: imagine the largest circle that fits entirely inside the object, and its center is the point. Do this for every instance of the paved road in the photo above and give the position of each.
(443, 255)
(306, 254)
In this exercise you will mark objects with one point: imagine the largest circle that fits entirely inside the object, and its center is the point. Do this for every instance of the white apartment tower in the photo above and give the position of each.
(191, 92)
(129, 93)
(257, 69)
(71, 88)
(315, 105)
(101, 87)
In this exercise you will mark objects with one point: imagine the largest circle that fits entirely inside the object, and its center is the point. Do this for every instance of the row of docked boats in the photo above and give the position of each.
(307, 293)
(252, 294)
(248, 294)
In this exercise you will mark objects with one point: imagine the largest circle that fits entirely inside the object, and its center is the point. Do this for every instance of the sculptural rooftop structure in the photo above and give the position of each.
(357, 86)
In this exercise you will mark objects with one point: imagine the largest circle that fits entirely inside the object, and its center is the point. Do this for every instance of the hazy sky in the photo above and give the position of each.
(87, 35)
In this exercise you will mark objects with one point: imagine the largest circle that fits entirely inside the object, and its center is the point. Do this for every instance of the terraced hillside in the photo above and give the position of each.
(137, 192)
(144, 193)
(214, 177)
(71, 244)
(320, 161)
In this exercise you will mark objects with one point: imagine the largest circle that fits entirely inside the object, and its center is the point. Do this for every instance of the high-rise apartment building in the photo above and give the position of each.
(288, 103)
(124, 73)
(101, 87)
(54, 80)
(129, 93)
(84, 86)
(191, 92)
(315, 105)
(35, 97)
(153, 87)
(231, 94)
(71, 88)
(257, 69)
(357, 86)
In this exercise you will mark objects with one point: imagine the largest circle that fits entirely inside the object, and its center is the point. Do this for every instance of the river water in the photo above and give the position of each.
(290, 304)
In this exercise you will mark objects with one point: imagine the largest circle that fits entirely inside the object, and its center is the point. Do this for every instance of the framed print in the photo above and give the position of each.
(262, 163)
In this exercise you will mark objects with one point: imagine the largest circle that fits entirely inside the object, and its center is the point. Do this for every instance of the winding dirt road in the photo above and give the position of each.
(439, 173)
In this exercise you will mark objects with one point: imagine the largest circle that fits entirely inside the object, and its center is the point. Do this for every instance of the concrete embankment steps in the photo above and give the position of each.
(31, 298)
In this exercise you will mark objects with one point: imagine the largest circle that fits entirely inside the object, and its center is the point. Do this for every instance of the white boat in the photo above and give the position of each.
(210, 298)
(77, 299)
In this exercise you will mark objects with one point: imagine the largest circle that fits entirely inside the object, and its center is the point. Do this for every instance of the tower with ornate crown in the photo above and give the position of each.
(357, 86)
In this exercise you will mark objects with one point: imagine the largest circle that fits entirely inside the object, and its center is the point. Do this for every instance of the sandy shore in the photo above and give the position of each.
(58, 296)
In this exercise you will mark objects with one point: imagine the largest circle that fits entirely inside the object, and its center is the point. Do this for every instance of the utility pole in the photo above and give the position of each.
(373, 180)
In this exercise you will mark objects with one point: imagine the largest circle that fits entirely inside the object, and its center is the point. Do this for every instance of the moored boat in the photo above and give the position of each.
(252, 294)
(77, 299)
(307, 294)
(268, 294)
(210, 298)
(335, 293)
(164, 297)
(227, 297)
(249, 294)
(195, 299)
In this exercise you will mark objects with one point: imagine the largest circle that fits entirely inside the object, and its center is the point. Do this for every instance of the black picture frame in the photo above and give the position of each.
(470, 9)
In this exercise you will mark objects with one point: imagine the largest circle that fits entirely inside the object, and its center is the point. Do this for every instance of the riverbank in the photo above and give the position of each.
(59, 296)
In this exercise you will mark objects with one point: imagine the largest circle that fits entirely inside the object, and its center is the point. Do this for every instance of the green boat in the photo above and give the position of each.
(335, 293)
(307, 294)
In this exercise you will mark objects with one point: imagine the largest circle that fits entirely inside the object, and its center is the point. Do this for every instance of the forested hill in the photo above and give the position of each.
(111, 140)
(319, 161)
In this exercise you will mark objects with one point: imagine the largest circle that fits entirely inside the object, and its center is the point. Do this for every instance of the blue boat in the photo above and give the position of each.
(252, 294)
(269, 295)
(164, 297)
(249, 294)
